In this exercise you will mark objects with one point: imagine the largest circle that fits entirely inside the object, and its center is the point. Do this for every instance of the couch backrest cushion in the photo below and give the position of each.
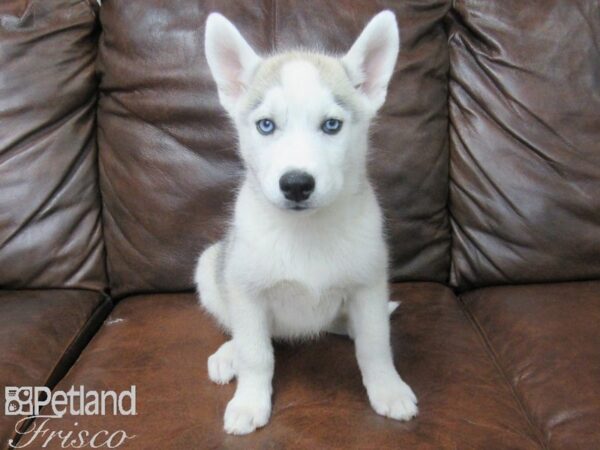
(525, 141)
(50, 230)
(167, 152)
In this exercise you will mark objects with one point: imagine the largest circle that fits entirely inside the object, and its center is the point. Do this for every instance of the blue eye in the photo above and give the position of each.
(265, 126)
(331, 126)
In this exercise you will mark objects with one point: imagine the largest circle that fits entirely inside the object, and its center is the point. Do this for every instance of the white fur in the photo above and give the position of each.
(283, 273)
(372, 58)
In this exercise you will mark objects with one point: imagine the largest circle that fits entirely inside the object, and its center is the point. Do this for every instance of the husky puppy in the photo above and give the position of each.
(306, 247)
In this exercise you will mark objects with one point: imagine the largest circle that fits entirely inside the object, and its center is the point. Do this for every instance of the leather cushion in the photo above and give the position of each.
(160, 343)
(41, 334)
(525, 141)
(546, 339)
(50, 231)
(168, 161)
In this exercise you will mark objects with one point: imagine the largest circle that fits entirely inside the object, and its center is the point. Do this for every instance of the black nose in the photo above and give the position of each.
(296, 185)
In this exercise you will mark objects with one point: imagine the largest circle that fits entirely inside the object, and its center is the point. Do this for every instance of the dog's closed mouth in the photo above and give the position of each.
(298, 208)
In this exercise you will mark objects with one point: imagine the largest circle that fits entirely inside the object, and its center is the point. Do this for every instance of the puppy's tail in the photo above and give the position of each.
(342, 326)
(206, 282)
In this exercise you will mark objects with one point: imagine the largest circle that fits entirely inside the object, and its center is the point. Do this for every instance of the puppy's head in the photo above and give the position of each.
(303, 117)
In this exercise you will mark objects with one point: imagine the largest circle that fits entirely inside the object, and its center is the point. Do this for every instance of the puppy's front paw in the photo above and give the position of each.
(393, 399)
(243, 416)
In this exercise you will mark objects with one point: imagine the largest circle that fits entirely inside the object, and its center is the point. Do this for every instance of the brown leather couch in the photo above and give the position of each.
(117, 166)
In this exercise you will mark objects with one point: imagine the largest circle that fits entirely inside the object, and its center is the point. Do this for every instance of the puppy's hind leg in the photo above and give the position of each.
(222, 364)
(206, 278)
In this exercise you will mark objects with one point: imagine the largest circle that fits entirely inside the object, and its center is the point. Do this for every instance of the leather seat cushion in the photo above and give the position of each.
(161, 342)
(546, 340)
(41, 334)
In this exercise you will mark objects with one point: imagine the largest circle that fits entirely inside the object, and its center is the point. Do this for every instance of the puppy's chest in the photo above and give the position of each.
(320, 265)
(296, 310)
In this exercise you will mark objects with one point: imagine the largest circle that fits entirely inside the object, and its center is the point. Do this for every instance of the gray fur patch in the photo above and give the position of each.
(331, 72)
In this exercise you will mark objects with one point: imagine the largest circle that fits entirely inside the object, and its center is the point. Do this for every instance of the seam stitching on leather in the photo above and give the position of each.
(273, 25)
(101, 203)
(445, 29)
(494, 357)
(99, 309)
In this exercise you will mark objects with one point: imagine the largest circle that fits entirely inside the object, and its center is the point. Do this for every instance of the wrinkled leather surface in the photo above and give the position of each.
(525, 141)
(41, 334)
(50, 231)
(546, 339)
(161, 343)
(168, 162)
(509, 367)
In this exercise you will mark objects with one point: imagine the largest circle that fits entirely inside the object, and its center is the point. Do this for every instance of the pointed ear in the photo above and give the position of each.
(371, 60)
(230, 58)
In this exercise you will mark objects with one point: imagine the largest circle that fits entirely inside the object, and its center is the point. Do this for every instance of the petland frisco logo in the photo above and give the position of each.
(29, 401)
